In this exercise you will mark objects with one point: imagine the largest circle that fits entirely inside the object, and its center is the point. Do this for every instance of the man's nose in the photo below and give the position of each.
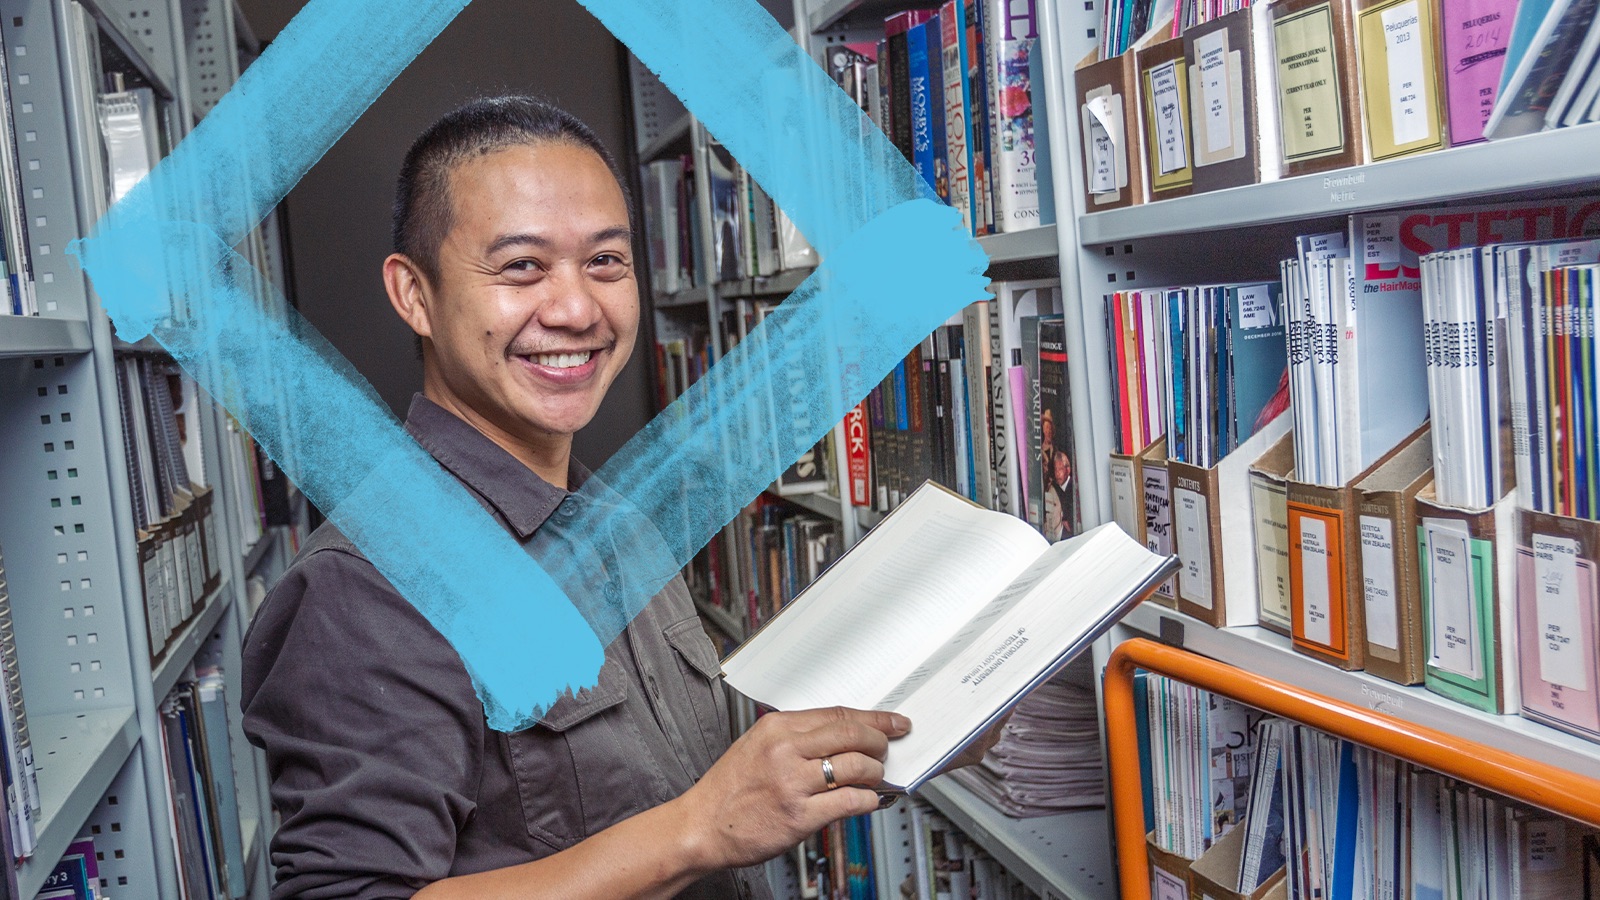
(573, 304)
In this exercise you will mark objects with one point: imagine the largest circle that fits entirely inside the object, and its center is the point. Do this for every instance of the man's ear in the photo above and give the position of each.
(409, 293)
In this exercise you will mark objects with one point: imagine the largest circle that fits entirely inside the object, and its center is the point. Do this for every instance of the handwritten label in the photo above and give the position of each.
(1194, 546)
(1102, 144)
(1172, 144)
(1402, 40)
(1168, 887)
(1316, 616)
(1216, 102)
(1455, 646)
(1562, 642)
(1377, 573)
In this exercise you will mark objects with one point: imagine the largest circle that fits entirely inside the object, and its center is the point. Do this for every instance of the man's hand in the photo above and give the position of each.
(769, 791)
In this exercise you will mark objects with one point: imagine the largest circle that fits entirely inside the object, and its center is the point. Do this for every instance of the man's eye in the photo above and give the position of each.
(609, 259)
(522, 265)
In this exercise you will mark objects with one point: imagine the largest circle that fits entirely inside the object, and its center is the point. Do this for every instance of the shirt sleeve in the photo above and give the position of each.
(372, 731)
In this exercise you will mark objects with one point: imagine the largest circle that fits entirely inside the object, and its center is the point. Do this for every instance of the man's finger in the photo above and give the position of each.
(841, 737)
(848, 768)
(891, 724)
(830, 806)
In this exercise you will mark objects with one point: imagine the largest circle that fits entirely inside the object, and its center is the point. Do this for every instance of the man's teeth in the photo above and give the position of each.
(562, 360)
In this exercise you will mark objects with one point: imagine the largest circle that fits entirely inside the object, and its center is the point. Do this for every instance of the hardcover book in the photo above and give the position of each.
(1010, 38)
(948, 614)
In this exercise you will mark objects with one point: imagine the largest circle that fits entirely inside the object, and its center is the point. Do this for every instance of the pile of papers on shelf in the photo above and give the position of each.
(1048, 759)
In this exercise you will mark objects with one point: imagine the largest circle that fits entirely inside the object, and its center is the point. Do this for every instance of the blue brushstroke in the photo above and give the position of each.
(897, 264)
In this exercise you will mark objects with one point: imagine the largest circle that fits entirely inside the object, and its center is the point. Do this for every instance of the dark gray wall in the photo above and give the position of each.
(339, 214)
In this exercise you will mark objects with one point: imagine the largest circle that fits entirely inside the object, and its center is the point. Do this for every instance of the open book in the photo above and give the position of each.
(947, 613)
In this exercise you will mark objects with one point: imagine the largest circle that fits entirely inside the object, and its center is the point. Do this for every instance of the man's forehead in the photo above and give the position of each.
(497, 178)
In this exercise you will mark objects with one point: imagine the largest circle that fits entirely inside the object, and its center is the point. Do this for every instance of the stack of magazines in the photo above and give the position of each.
(1048, 759)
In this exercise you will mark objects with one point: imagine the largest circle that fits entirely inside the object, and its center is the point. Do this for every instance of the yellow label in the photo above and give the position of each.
(1308, 85)
(1399, 84)
(1166, 116)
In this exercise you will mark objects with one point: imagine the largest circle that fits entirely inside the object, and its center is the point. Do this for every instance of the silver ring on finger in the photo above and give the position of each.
(827, 773)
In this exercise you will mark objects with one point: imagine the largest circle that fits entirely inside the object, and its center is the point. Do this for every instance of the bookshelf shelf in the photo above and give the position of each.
(1020, 246)
(1270, 655)
(250, 829)
(832, 14)
(720, 618)
(35, 336)
(259, 551)
(779, 285)
(77, 756)
(825, 505)
(689, 297)
(674, 137)
(194, 633)
(1061, 857)
(1549, 160)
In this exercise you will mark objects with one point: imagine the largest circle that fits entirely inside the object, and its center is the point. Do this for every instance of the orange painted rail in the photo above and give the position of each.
(1540, 784)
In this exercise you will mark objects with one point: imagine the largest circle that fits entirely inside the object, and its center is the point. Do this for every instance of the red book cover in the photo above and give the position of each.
(858, 456)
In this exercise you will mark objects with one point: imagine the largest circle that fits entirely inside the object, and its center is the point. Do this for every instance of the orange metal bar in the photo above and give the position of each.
(1543, 785)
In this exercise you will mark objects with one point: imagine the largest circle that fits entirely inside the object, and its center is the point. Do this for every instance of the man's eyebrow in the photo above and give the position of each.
(529, 239)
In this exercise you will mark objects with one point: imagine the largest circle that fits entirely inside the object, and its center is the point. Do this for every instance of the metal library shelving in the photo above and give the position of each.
(1167, 242)
(92, 691)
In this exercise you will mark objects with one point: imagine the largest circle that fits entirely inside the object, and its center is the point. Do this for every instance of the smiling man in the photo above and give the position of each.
(514, 265)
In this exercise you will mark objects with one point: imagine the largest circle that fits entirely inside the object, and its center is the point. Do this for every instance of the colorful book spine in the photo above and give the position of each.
(1010, 40)
(957, 121)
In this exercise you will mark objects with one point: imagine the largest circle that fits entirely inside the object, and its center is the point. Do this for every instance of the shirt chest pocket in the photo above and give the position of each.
(580, 769)
(702, 682)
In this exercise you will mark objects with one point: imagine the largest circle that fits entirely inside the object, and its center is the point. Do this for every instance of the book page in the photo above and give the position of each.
(1050, 611)
(862, 626)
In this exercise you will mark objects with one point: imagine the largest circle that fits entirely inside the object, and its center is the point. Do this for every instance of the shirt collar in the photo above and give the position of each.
(523, 499)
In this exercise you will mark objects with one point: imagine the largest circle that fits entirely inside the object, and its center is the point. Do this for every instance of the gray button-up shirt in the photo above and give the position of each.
(383, 767)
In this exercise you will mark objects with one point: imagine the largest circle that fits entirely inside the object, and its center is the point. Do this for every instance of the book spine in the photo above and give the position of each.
(1012, 29)
(958, 123)
(922, 149)
(978, 114)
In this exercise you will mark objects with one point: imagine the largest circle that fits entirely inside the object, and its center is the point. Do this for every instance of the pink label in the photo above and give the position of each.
(1475, 36)
(1580, 708)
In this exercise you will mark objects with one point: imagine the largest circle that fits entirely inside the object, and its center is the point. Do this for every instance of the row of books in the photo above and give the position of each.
(960, 92)
(162, 446)
(836, 863)
(984, 407)
(947, 864)
(762, 560)
(1205, 365)
(197, 754)
(1386, 535)
(1242, 805)
(1217, 94)
(750, 236)
(180, 565)
(20, 778)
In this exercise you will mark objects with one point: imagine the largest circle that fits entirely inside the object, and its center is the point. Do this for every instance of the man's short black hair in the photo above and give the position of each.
(422, 210)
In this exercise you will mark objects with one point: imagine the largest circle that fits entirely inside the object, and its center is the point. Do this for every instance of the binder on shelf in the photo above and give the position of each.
(1558, 646)
(1392, 598)
(1217, 583)
(1400, 91)
(1314, 86)
(1155, 482)
(1227, 133)
(1326, 593)
(1165, 109)
(1108, 109)
(1466, 569)
(1269, 512)
(1215, 876)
